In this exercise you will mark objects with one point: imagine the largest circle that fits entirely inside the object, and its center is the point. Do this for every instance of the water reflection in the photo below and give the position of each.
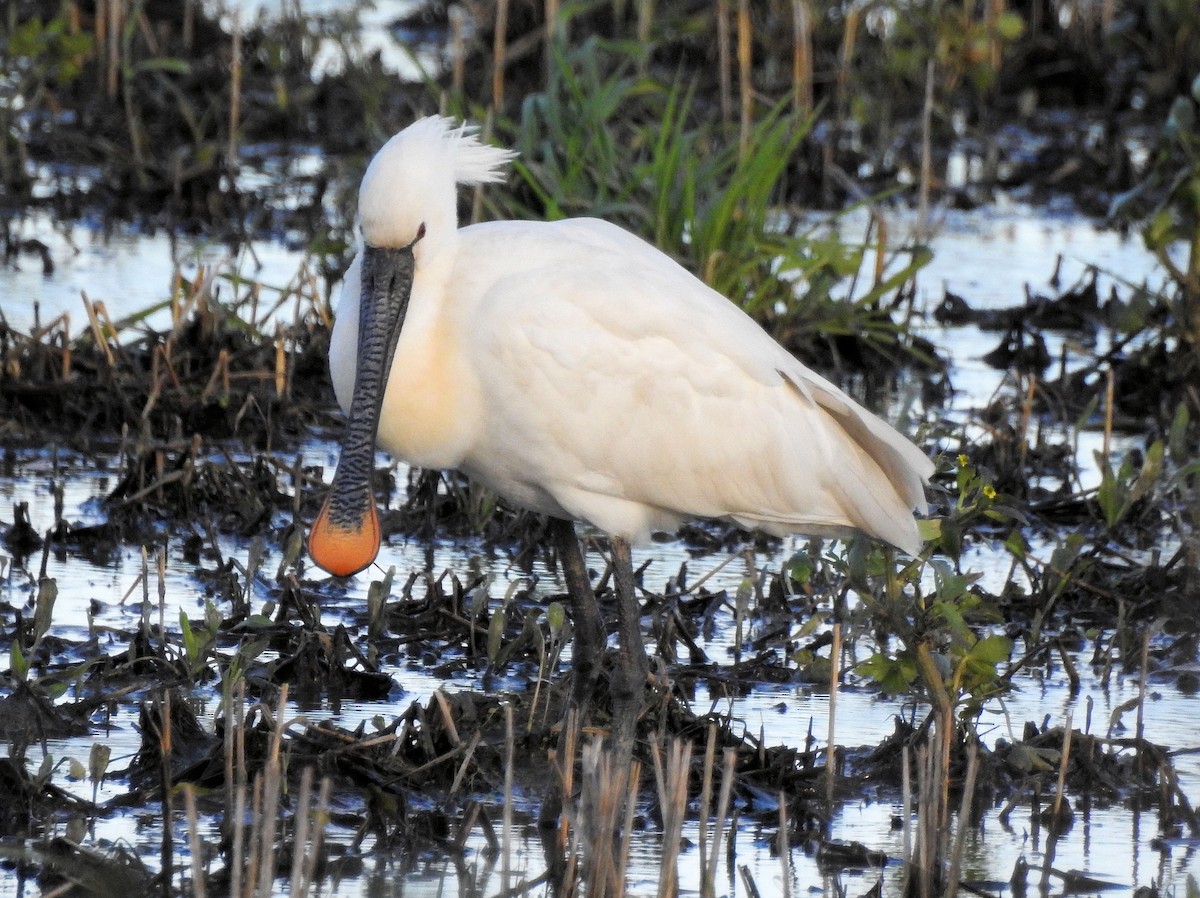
(988, 258)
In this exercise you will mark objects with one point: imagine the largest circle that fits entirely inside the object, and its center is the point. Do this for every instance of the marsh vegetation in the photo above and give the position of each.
(264, 741)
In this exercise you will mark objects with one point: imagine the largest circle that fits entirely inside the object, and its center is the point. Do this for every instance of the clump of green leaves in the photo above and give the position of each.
(606, 139)
(43, 615)
(37, 57)
(934, 608)
(1123, 485)
(1167, 201)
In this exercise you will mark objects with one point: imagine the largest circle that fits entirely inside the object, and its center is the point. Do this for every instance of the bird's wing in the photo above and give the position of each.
(634, 395)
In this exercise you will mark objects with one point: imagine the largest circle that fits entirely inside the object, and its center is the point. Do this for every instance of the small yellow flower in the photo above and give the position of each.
(963, 460)
(989, 491)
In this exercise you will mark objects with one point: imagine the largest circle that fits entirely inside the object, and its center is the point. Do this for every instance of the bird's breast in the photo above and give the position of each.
(429, 412)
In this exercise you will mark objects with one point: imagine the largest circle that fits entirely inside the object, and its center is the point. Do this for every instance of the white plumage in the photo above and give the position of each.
(580, 372)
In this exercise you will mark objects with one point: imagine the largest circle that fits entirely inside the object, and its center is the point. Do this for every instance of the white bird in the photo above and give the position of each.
(578, 371)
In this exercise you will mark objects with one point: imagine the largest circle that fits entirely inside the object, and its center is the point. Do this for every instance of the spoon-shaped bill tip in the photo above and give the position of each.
(344, 547)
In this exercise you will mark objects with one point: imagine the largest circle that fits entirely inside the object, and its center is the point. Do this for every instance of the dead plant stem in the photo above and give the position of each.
(835, 652)
(499, 52)
(964, 817)
(199, 880)
(300, 833)
(235, 93)
(802, 56)
(923, 226)
(708, 882)
(745, 77)
(1064, 762)
(706, 791)
(509, 752)
(724, 63)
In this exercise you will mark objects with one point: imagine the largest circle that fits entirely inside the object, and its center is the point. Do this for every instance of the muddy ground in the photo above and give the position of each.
(202, 429)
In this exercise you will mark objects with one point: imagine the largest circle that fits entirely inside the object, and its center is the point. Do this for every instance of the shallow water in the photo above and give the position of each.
(987, 257)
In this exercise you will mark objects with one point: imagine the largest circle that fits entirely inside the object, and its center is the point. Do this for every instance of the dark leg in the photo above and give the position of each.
(587, 654)
(627, 693)
(590, 634)
(629, 679)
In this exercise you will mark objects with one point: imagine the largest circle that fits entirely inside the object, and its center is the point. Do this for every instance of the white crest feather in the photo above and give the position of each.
(474, 162)
(411, 180)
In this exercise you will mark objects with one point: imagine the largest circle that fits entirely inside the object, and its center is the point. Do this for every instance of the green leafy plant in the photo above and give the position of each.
(37, 57)
(43, 615)
(199, 641)
(1167, 201)
(605, 139)
(1121, 486)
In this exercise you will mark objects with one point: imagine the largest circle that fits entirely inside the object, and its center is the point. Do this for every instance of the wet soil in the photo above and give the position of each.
(203, 428)
(432, 778)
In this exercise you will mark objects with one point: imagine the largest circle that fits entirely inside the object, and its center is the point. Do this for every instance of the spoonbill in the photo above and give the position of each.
(579, 372)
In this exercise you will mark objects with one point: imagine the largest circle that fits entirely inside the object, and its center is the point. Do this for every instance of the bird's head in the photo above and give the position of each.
(409, 190)
(407, 207)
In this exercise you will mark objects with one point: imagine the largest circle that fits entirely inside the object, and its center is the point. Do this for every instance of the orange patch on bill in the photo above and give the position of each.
(343, 550)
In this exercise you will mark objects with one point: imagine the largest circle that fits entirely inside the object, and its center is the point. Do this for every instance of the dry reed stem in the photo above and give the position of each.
(227, 745)
(321, 817)
(499, 51)
(567, 772)
(466, 762)
(672, 795)
(845, 56)
(238, 718)
(906, 810)
(1109, 391)
(724, 63)
(964, 816)
(995, 10)
(115, 25)
(710, 752)
(634, 781)
(709, 874)
(745, 82)
(199, 880)
(282, 364)
(272, 788)
(748, 881)
(189, 25)
(1026, 416)
(1063, 763)
(300, 833)
(645, 21)
(835, 653)
(660, 777)
(1140, 733)
(164, 748)
(448, 718)
(95, 310)
(785, 848)
(940, 790)
(65, 336)
(235, 91)
(881, 244)
(926, 182)
(100, 42)
(926, 825)
(551, 15)
(219, 376)
(802, 56)
(509, 753)
(146, 30)
(607, 802)
(250, 885)
(458, 51)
